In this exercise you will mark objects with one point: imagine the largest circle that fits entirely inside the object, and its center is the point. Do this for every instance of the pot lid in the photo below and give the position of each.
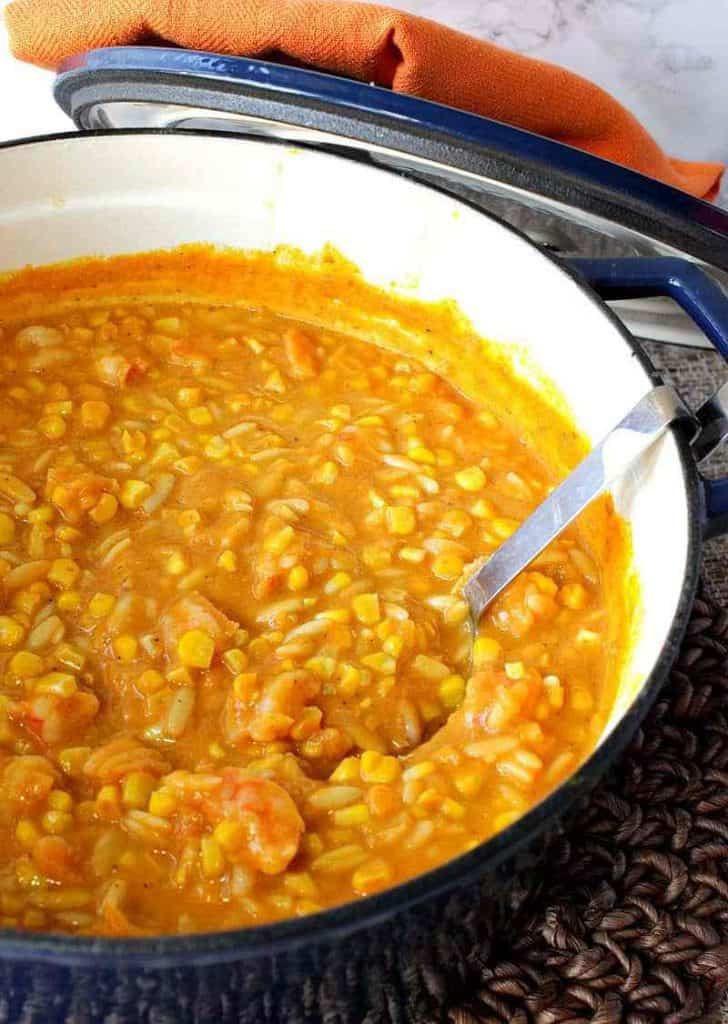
(566, 200)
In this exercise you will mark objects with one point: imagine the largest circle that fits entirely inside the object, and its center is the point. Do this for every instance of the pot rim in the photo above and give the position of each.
(367, 912)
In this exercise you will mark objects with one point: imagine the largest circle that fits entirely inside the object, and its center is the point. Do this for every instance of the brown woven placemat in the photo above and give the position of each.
(631, 921)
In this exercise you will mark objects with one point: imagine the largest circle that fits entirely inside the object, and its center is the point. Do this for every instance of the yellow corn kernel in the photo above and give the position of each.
(104, 510)
(515, 669)
(212, 857)
(235, 660)
(357, 814)
(573, 595)
(337, 582)
(376, 767)
(486, 650)
(176, 564)
(11, 632)
(413, 555)
(27, 833)
(62, 684)
(125, 647)
(200, 416)
(347, 770)
(69, 601)
(452, 809)
(447, 567)
(372, 877)
(394, 645)
(228, 561)
(504, 528)
(580, 699)
(26, 664)
(72, 759)
(380, 662)
(196, 648)
(59, 800)
(400, 519)
(230, 835)
(188, 397)
(376, 557)
(276, 543)
(134, 492)
(452, 691)
(137, 789)
(298, 578)
(189, 520)
(64, 572)
(52, 427)
(94, 415)
(101, 605)
(307, 723)
(217, 751)
(418, 453)
(7, 528)
(162, 803)
(57, 822)
(471, 479)
(470, 782)
(419, 771)
(366, 608)
(42, 514)
(150, 682)
(70, 657)
(328, 473)
(245, 686)
(217, 448)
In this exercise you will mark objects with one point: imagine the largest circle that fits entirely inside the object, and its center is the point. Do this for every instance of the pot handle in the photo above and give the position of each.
(707, 305)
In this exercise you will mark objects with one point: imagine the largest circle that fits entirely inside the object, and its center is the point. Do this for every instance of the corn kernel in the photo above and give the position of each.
(357, 814)
(376, 767)
(447, 567)
(11, 632)
(52, 427)
(217, 751)
(328, 474)
(372, 877)
(59, 800)
(230, 835)
(504, 528)
(137, 789)
(42, 514)
(104, 510)
(212, 857)
(515, 669)
(200, 416)
(298, 578)
(366, 608)
(27, 833)
(125, 647)
(101, 605)
(72, 759)
(150, 682)
(573, 595)
(400, 519)
(26, 664)
(235, 660)
(134, 492)
(217, 448)
(376, 557)
(419, 771)
(380, 662)
(469, 783)
(276, 543)
(486, 650)
(471, 479)
(162, 803)
(338, 582)
(245, 686)
(64, 572)
(413, 555)
(394, 645)
(228, 561)
(62, 684)
(452, 809)
(188, 397)
(452, 691)
(69, 601)
(57, 822)
(7, 528)
(196, 648)
(94, 415)
(347, 770)
(176, 564)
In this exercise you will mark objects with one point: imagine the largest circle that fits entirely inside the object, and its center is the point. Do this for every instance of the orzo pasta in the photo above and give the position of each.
(237, 682)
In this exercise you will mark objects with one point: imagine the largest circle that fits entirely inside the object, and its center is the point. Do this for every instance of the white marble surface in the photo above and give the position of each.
(667, 60)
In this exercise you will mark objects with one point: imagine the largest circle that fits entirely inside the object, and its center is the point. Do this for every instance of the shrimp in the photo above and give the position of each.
(53, 718)
(273, 826)
(193, 611)
(270, 713)
(118, 758)
(76, 490)
(28, 779)
(117, 372)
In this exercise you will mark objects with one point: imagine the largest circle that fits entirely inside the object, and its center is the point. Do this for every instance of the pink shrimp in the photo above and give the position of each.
(273, 826)
(28, 779)
(53, 718)
(270, 713)
(117, 372)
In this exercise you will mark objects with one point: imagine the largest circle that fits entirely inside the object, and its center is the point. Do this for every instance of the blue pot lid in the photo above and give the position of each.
(560, 192)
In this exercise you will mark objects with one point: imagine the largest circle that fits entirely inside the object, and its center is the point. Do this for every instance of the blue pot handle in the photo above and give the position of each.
(703, 301)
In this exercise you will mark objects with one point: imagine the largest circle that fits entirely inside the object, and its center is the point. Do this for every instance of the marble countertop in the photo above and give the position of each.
(667, 60)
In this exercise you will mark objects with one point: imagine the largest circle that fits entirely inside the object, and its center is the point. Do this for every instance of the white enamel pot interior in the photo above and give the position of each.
(128, 192)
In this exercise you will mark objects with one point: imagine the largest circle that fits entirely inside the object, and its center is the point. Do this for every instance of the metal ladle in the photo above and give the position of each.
(632, 437)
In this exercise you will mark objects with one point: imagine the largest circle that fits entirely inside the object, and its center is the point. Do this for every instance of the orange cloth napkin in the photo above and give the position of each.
(372, 43)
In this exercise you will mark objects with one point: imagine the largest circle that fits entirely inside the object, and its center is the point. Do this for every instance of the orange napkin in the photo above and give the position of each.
(374, 44)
